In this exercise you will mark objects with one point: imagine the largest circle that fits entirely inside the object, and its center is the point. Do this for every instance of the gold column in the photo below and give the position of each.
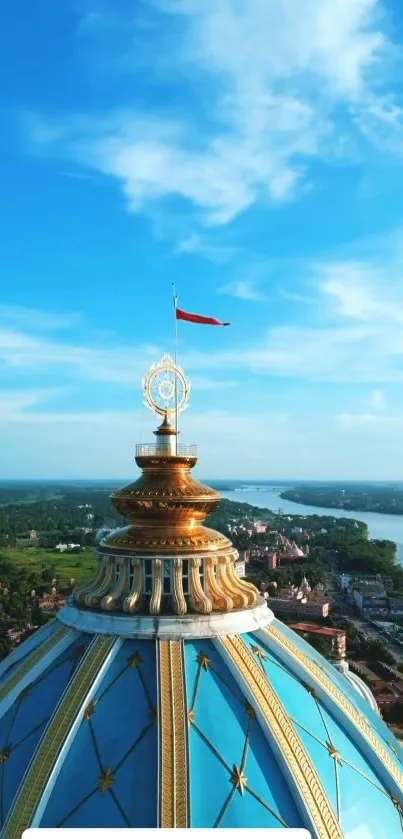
(199, 600)
(222, 602)
(132, 602)
(110, 601)
(156, 595)
(80, 591)
(178, 597)
(248, 589)
(240, 599)
(94, 598)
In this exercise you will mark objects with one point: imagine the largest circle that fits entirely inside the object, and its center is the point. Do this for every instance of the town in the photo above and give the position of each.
(319, 574)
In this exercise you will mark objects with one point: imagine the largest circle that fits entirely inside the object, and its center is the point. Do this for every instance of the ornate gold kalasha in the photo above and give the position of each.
(166, 561)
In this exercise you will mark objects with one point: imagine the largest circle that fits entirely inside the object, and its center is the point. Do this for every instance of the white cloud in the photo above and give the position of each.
(354, 420)
(39, 444)
(364, 291)
(351, 332)
(24, 317)
(14, 403)
(196, 244)
(286, 82)
(377, 400)
(244, 289)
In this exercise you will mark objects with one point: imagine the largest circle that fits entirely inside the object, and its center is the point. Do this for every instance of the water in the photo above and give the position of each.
(380, 525)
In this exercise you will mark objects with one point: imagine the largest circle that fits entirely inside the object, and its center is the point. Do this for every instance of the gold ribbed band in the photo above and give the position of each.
(199, 584)
(173, 736)
(32, 660)
(44, 759)
(268, 706)
(359, 720)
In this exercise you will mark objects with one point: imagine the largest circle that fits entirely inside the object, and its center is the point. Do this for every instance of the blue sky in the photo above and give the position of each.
(249, 150)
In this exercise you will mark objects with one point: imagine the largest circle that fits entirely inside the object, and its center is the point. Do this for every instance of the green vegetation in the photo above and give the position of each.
(44, 565)
(57, 512)
(347, 537)
(376, 498)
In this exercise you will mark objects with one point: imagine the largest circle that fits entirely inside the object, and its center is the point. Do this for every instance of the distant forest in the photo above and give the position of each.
(375, 498)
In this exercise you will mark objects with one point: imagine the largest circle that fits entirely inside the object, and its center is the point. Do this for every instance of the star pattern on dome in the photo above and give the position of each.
(333, 752)
(5, 754)
(11, 742)
(203, 660)
(341, 762)
(106, 783)
(106, 780)
(236, 769)
(89, 710)
(238, 779)
(134, 661)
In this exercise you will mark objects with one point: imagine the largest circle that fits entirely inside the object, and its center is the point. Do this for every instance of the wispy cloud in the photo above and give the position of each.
(17, 402)
(78, 176)
(243, 289)
(377, 400)
(358, 420)
(352, 332)
(196, 244)
(24, 317)
(286, 84)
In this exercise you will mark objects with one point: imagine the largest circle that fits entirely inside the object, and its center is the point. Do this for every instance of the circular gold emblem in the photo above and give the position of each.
(166, 388)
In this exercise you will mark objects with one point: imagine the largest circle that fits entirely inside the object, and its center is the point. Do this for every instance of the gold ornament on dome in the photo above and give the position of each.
(166, 388)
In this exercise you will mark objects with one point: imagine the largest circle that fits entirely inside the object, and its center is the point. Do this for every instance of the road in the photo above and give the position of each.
(364, 627)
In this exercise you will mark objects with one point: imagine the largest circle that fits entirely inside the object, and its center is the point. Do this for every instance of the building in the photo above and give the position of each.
(350, 581)
(292, 553)
(395, 605)
(165, 692)
(371, 600)
(258, 528)
(240, 568)
(63, 547)
(299, 607)
(272, 560)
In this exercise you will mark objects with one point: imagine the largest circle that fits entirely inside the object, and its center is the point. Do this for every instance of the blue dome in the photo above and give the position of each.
(166, 694)
(237, 730)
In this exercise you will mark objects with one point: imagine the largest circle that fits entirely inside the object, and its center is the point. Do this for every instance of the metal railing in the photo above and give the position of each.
(153, 450)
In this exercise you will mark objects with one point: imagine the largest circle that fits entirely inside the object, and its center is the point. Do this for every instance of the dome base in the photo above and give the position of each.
(166, 627)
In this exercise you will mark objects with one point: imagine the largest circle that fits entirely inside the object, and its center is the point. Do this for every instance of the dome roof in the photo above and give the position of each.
(165, 693)
(121, 732)
(293, 553)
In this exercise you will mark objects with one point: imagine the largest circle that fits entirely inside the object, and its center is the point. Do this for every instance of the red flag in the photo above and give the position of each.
(181, 315)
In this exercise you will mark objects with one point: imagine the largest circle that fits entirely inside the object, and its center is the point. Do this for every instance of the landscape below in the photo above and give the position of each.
(48, 534)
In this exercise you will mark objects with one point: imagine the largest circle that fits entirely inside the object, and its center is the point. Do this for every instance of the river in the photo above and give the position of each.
(380, 525)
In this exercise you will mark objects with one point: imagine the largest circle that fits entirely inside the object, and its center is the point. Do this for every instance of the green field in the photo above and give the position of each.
(80, 566)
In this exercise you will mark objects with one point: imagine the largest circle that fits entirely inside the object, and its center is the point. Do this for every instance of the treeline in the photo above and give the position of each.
(56, 514)
(378, 499)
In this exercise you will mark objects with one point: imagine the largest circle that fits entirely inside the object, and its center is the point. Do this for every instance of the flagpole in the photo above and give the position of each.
(175, 301)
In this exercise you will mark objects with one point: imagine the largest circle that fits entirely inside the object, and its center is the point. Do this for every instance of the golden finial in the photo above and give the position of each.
(166, 388)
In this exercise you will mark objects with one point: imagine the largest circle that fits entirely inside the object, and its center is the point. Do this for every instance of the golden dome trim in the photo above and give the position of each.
(270, 709)
(173, 737)
(43, 763)
(359, 720)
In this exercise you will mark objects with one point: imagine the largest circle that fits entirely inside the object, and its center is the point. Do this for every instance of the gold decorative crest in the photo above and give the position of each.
(166, 388)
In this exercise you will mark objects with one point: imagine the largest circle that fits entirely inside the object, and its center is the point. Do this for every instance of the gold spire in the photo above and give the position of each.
(165, 561)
